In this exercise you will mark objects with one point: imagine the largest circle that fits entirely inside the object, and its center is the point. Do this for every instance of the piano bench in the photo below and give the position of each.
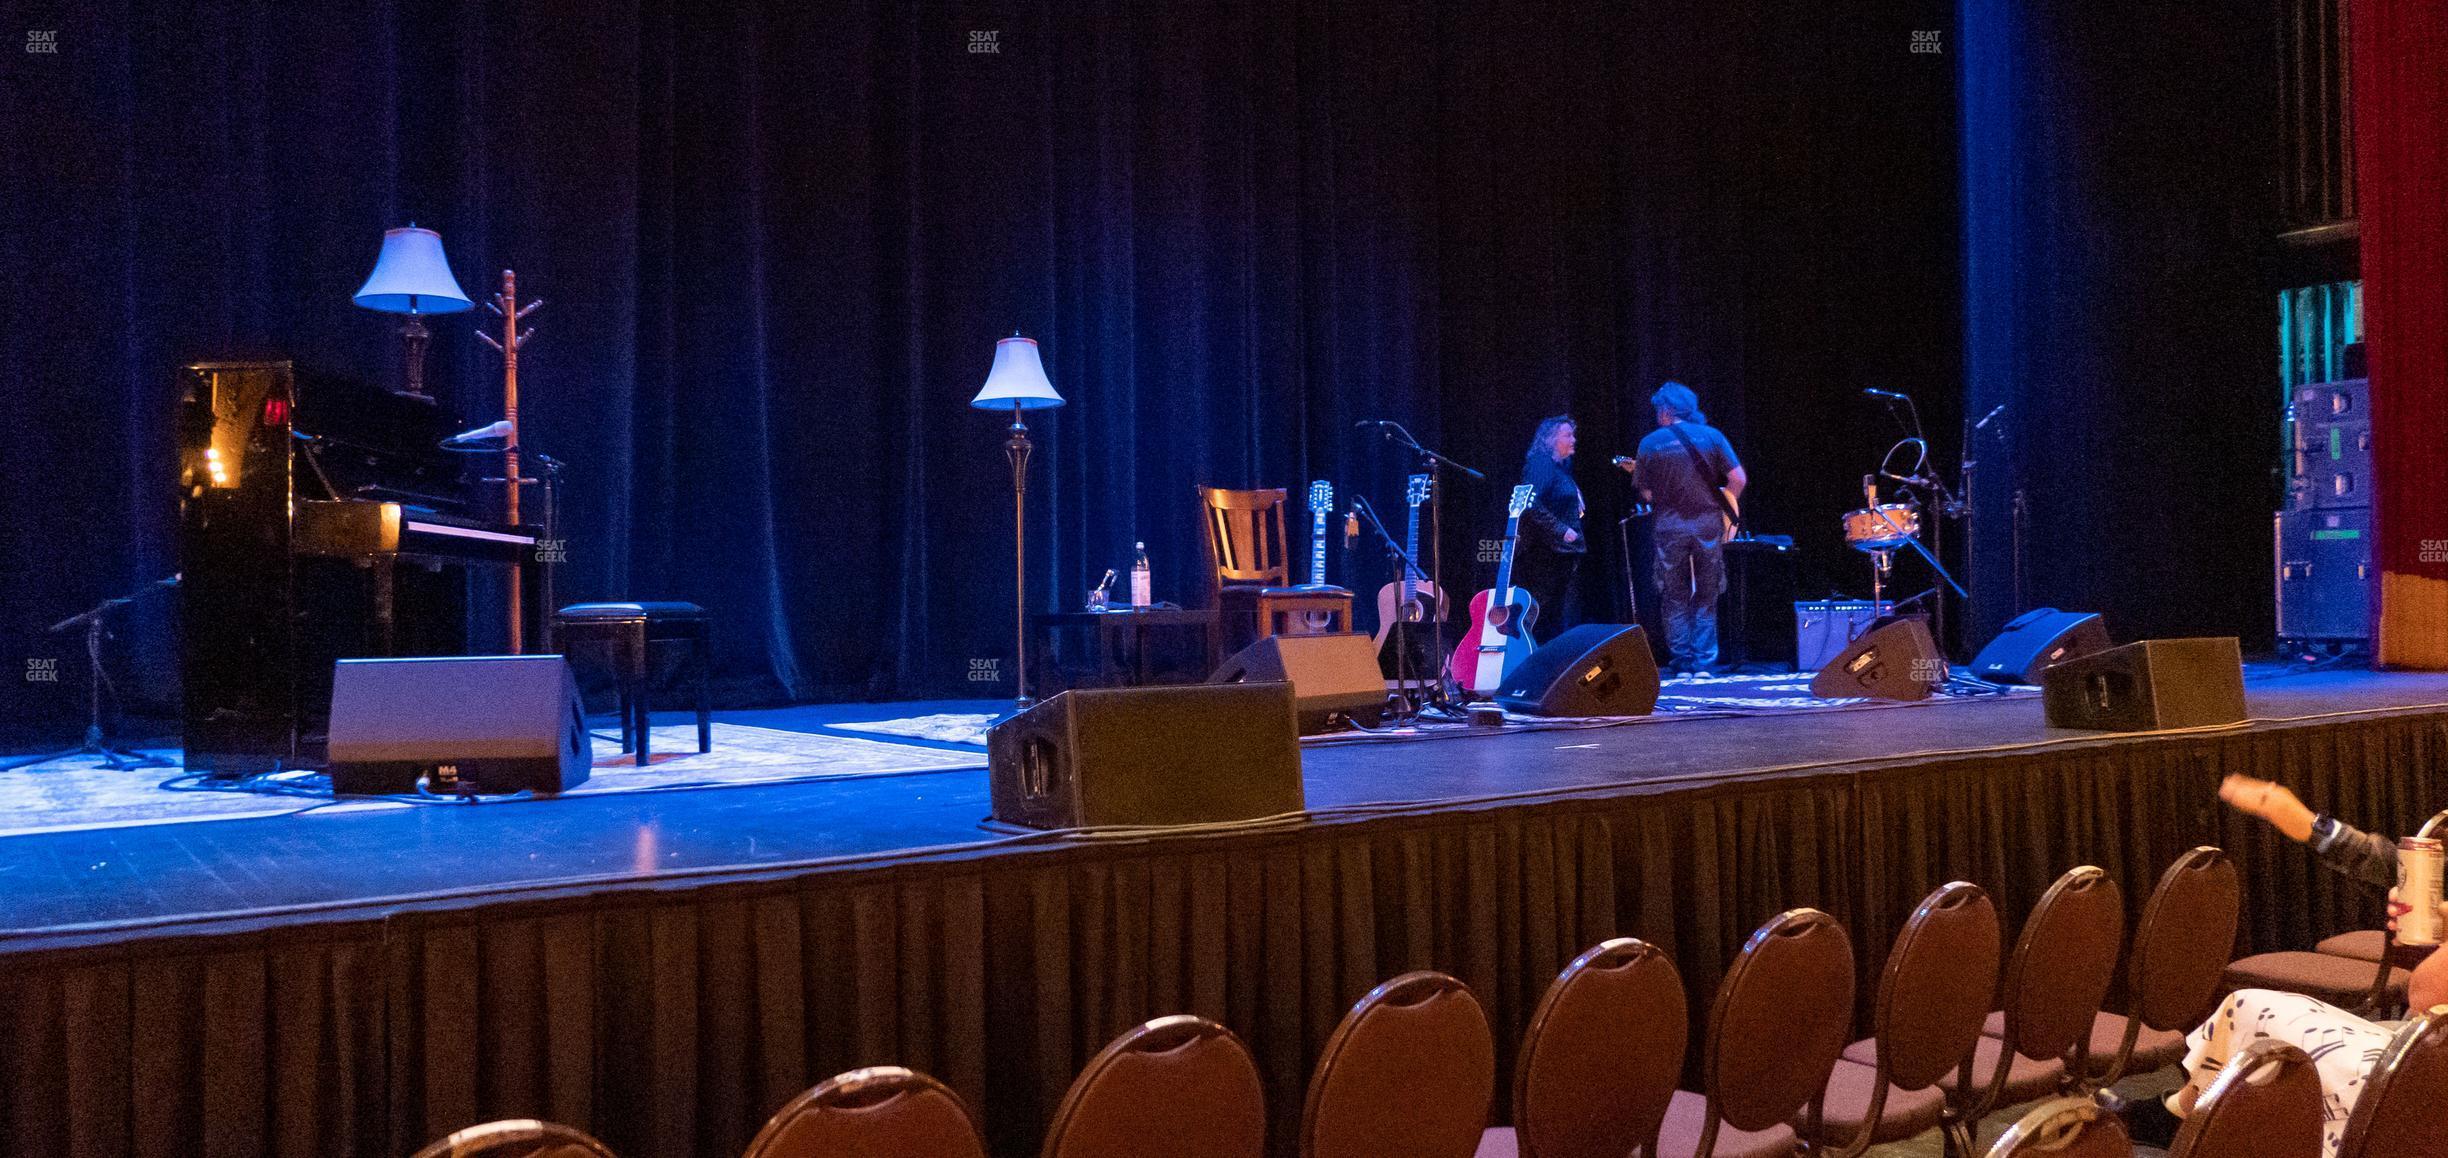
(626, 633)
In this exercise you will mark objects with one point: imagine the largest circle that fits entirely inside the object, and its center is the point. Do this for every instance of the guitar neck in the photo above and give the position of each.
(1411, 571)
(1317, 548)
(1504, 566)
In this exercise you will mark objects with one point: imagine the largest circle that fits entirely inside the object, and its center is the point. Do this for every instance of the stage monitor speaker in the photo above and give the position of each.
(1596, 669)
(1147, 756)
(2030, 642)
(2157, 683)
(491, 723)
(1334, 678)
(1895, 660)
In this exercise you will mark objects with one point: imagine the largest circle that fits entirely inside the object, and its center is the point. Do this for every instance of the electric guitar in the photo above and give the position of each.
(1411, 599)
(1498, 638)
(1730, 515)
(1321, 504)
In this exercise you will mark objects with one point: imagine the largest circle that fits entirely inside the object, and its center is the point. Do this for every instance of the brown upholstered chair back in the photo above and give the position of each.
(517, 1138)
(1781, 1018)
(2065, 1128)
(1181, 1086)
(1408, 1074)
(2402, 1111)
(2063, 964)
(1602, 1054)
(2265, 1104)
(1244, 535)
(1934, 992)
(2183, 944)
(883, 1112)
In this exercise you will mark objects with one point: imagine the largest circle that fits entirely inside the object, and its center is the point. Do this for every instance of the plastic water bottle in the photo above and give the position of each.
(1142, 579)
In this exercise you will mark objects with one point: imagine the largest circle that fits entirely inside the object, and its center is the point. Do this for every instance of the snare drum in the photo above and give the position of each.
(1881, 528)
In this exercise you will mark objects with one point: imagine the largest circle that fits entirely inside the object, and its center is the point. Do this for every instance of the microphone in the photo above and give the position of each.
(1874, 392)
(1986, 419)
(466, 438)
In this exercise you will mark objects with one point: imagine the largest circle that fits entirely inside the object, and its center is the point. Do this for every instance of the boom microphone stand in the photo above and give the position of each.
(97, 742)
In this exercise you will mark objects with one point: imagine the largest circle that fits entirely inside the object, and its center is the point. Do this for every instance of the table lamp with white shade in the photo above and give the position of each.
(1018, 381)
(412, 277)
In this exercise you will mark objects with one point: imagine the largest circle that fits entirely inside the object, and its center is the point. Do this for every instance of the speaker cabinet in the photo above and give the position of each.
(1148, 756)
(1596, 669)
(1334, 678)
(2157, 683)
(1895, 660)
(496, 723)
(2030, 642)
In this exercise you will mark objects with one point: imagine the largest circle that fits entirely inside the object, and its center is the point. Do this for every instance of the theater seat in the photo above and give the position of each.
(2340, 981)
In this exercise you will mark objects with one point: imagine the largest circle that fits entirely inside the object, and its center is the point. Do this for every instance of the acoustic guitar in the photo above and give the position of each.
(1498, 638)
(1411, 601)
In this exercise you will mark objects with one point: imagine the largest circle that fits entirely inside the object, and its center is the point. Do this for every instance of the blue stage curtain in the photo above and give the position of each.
(2117, 203)
(778, 240)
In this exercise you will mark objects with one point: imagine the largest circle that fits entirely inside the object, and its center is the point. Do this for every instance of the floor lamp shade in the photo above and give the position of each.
(1017, 379)
(412, 277)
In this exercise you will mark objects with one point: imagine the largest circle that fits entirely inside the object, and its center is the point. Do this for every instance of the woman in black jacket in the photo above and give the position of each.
(1552, 544)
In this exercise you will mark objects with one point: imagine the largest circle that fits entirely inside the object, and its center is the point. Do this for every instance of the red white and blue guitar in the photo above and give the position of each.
(1498, 638)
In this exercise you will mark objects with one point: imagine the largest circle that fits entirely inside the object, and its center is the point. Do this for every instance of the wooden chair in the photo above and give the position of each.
(1181, 1086)
(2172, 976)
(1600, 1059)
(2400, 1111)
(517, 1138)
(1409, 1073)
(2265, 1104)
(2060, 972)
(1780, 1020)
(1933, 994)
(1249, 576)
(2066, 1128)
(881, 1112)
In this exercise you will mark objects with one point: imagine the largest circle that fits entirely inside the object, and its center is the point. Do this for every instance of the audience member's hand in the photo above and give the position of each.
(2398, 908)
(2272, 802)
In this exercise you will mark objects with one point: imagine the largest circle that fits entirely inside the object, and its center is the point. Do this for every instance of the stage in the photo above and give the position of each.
(667, 962)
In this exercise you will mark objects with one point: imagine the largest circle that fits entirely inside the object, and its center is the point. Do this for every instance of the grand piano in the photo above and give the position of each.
(316, 524)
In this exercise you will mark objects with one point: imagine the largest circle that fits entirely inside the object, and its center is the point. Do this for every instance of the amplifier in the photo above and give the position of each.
(1823, 628)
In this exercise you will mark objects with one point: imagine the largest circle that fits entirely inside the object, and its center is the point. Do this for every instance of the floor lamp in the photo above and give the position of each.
(1018, 381)
(411, 277)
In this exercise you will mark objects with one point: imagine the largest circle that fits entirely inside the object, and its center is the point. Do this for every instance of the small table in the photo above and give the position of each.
(1133, 623)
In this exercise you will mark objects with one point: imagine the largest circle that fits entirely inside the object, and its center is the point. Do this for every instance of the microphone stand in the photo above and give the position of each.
(1430, 464)
(97, 741)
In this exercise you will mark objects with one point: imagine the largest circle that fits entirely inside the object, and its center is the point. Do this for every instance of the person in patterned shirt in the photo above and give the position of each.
(2343, 1046)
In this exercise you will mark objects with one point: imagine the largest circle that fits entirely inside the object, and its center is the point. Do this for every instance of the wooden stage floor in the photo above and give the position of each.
(69, 888)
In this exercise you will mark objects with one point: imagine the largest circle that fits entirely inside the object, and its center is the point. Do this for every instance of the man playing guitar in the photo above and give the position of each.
(1688, 471)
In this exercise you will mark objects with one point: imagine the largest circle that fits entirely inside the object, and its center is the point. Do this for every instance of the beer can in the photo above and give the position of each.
(2418, 884)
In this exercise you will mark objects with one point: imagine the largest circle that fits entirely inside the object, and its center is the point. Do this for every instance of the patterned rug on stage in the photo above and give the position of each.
(1716, 695)
(75, 793)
